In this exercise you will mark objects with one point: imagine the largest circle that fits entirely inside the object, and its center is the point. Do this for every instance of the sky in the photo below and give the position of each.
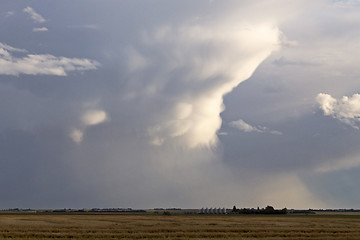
(189, 104)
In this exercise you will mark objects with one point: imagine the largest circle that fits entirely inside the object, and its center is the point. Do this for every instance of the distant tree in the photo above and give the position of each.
(284, 211)
(167, 213)
(269, 208)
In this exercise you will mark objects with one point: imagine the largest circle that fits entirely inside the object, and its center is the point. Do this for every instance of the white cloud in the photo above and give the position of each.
(77, 135)
(346, 109)
(37, 18)
(9, 13)
(245, 127)
(9, 48)
(91, 117)
(40, 29)
(197, 65)
(40, 64)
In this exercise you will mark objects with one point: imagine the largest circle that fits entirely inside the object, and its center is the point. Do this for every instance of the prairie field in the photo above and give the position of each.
(109, 226)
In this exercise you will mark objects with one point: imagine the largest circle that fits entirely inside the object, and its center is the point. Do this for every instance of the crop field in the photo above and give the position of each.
(179, 227)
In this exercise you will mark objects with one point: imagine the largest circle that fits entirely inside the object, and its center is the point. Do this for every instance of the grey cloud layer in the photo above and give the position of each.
(136, 131)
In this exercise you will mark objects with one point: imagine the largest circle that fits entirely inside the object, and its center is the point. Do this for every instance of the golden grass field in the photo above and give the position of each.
(325, 227)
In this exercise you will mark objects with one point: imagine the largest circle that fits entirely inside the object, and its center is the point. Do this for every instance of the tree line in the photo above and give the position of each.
(267, 210)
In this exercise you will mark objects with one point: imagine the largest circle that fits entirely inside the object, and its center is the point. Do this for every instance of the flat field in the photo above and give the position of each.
(109, 226)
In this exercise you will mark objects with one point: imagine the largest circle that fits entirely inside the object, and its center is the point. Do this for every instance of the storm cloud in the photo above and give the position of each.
(112, 105)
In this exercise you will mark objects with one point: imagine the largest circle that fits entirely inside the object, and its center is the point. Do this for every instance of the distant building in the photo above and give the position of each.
(212, 211)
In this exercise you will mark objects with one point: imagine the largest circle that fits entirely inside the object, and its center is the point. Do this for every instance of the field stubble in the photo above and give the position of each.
(177, 227)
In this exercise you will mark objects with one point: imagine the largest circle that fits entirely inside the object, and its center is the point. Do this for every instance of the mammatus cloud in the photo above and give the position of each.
(37, 18)
(346, 109)
(40, 64)
(89, 118)
(40, 29)
(245, 127)
(193, 68)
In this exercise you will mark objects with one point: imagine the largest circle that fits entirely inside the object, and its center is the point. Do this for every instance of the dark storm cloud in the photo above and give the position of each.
(122, 133)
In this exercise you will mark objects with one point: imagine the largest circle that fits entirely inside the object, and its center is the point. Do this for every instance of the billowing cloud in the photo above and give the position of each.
(346, 109)
(40, 64)
(245, 127)
(37, 18)
(193, 68)
(40, 29)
